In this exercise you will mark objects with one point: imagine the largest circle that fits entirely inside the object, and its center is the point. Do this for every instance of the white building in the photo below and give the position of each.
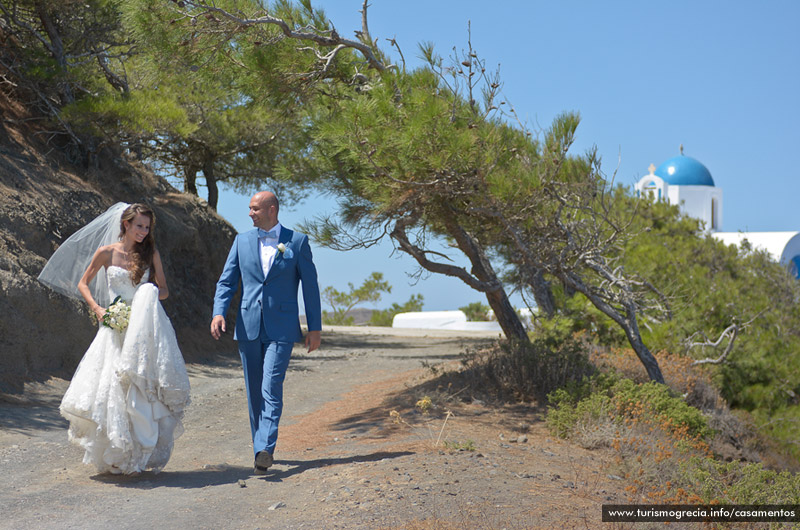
(784, 247)
(452, 320)
(684, 181)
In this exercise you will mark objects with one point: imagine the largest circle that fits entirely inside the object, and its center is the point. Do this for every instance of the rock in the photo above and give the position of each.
(44, 200)
(276, 506)
(522, 439)
(242, 483)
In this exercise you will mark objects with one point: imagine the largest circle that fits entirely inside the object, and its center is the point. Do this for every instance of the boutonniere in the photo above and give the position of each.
(281, 248)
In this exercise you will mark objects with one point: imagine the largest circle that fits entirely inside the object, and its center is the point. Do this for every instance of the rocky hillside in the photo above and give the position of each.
(43, 200)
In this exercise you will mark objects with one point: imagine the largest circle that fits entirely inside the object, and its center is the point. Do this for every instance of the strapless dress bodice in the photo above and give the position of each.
(119, 283)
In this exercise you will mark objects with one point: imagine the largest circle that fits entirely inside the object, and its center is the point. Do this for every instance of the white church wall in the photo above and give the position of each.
(782, 246)
(653, 187)
(696, 201)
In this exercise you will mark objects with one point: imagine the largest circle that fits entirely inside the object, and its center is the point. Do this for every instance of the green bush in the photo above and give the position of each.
(740, 483)
(384, 317)
(476, 312)
(611, 396)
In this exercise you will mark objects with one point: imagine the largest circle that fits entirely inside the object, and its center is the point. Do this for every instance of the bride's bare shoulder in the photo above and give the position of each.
(105, 253)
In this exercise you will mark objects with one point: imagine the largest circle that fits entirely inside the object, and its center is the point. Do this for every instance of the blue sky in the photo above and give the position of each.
(720, 77)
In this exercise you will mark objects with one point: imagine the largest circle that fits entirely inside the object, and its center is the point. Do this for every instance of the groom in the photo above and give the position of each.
(269, 262)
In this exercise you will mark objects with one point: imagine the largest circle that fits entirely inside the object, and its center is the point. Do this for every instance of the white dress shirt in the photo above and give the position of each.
(268, 247)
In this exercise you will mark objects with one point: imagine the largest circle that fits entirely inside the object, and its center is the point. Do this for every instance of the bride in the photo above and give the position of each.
(126, 399)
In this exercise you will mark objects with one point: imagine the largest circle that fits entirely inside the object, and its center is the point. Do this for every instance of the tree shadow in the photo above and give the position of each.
(23, 416)
(217, 475)
(361, 342)
(449, 390)
(423, 357)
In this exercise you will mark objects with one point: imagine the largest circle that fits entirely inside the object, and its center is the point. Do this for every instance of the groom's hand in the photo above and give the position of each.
(217, 326)
(313, 340)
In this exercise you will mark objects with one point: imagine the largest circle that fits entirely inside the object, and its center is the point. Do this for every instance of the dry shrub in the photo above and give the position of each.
(528, 372)
(736, 436)
(679, 373)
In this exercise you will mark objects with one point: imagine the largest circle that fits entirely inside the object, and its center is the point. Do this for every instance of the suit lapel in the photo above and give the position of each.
(253, 245)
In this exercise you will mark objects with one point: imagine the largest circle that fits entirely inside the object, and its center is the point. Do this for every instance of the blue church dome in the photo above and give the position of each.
(684, 171)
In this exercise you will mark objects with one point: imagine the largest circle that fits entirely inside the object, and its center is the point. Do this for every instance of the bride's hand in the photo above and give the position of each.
(99, 312)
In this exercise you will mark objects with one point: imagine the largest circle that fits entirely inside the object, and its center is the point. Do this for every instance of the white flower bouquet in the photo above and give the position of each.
(117, 315)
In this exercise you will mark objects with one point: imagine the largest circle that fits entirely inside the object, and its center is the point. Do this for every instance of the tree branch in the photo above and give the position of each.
(731, 332)
(312, 34)
(399, 235)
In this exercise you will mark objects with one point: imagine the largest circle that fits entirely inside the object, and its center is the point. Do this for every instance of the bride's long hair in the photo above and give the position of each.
(142, 258)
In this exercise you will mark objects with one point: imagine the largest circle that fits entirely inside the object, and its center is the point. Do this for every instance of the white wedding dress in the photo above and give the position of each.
(126, 400)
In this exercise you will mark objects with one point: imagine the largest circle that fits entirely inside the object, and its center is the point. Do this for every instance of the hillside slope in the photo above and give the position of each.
(43, 200)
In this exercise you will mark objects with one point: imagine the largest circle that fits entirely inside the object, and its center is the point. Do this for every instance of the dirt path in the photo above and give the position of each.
(340, 463)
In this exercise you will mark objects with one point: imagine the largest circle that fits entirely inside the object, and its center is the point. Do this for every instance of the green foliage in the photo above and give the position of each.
(466, 445)
(144, 111)
(200, 102)
(621, 399)
(710, 286)
(385, 317)
(740, 483)
(65, 52)
(476, 312)
(342, 302)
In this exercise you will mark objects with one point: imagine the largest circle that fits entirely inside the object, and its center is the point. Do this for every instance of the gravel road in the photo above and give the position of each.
(340, 462)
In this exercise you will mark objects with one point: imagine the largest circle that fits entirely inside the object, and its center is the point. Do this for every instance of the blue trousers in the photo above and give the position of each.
(264, 363)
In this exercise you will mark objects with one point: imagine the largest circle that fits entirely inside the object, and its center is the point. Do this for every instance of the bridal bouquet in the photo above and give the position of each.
(117, 315)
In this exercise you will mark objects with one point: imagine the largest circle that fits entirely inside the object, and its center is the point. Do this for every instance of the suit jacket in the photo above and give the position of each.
(273, 298)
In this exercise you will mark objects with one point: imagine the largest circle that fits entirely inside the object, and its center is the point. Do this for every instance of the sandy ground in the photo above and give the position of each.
(341, 460)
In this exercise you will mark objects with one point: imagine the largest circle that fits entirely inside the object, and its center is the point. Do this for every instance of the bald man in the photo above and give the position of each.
(270, 262)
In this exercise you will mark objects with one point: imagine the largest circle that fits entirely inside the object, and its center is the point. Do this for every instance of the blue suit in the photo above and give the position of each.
(267, 322)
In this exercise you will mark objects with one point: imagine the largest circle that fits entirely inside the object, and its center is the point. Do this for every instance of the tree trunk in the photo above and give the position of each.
(211, 182)
(482, 278)
(627, 322)
(56, 50)
(542, 293)
(190, 180)
(506, 316)
(482, 269)
(635, 339)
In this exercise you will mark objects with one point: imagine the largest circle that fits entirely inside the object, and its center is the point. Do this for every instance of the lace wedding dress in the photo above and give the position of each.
(126, 400)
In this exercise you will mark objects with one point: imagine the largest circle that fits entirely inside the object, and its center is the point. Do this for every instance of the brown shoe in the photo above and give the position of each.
(262, 463)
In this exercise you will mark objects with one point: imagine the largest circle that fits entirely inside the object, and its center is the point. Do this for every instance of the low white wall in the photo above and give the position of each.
(450, 320)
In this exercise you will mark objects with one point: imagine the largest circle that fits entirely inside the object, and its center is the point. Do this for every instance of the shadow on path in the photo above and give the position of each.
(26, 417)
(217, 475)
(301, 466)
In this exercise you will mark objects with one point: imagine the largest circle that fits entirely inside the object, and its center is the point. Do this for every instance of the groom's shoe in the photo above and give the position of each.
(263, 462)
